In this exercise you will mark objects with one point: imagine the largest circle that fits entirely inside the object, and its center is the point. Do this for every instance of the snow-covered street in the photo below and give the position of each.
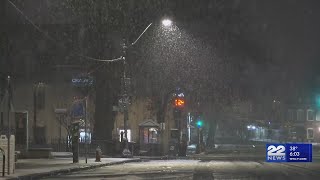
(194, 169)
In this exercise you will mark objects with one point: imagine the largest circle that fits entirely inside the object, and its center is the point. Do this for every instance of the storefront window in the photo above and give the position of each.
(128, 134)
(150, 135)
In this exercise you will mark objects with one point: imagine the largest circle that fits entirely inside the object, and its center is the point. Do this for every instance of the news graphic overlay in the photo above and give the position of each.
(276, 153)
(299, 152)
(289, 152)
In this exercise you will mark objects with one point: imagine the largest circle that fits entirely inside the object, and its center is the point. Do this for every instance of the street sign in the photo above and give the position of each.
(123, 102)
(60, 111)
(82, 81)
(78, 109)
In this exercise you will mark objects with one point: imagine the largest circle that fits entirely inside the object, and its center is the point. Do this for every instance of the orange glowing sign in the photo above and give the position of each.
(179, 102)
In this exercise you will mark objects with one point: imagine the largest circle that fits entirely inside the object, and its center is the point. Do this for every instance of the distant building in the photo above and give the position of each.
(51, 106)
(303, 122)
(43, 75)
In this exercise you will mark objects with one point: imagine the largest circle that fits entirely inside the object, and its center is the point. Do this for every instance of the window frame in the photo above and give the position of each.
(298, 117)
(312, 111)
(290, 115)
(308, 136)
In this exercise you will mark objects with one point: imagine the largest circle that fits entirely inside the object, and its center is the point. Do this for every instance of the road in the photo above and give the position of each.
(195, 169)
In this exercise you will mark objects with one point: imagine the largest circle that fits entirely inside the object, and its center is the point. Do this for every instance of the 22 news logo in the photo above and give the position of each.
(276, 153)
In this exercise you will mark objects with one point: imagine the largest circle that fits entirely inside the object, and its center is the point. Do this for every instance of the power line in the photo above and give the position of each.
(95, 69)
(102, 60)
(60, 44)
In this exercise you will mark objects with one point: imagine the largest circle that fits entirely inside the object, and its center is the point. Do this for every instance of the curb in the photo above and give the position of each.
(229, 158)
(164, 158)
(69, 170)
(204, 158)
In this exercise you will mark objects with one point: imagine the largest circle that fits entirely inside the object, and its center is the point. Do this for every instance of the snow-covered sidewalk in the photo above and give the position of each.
(37, 168)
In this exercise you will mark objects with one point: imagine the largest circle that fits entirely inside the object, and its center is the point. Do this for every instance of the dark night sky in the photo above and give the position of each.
(290, 33)
(283, 33)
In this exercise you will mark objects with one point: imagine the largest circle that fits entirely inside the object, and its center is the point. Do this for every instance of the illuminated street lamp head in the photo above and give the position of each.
(166, 22)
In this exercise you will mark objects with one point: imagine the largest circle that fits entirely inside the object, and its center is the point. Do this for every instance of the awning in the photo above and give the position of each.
(149, 123)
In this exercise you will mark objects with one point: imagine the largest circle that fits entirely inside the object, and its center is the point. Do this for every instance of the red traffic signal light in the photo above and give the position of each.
(179, 102)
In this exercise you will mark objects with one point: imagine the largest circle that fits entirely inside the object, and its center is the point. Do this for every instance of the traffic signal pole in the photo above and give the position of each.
(9, 123)
(199, 143)
(179, 103)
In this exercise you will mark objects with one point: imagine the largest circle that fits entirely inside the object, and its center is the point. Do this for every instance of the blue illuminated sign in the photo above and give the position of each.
(289, 152)
(78, 109)
(82, 81)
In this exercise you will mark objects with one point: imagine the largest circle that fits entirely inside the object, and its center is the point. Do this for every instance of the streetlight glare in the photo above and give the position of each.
(167, 22)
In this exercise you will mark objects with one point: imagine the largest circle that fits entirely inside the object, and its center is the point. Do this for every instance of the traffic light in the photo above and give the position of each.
(199, 123)
(179, 102)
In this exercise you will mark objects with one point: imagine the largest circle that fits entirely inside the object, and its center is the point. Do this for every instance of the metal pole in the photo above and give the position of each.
(125, 127)
(35, 112)
(60, 132)
(189, 128)
(126, 151)
(198, 143)
(3, 164)
(125, 115)
(85, 131)
(27, 128)
(9, 124)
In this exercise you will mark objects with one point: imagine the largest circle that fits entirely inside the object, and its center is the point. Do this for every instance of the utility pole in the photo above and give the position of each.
(189, 128)
(60, 131)
(179, 104)
(35, 89)
(200, 136)
(125, 99)
(9, 123)
(85, 131)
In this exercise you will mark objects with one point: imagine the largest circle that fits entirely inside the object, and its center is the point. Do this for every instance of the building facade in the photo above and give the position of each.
(52, 106)
(144, 128)
(303, 122)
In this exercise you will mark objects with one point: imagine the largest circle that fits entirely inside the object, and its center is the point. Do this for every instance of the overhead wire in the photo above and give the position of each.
(60, 44)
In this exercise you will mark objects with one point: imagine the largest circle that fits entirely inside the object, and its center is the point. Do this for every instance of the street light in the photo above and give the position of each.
(125, 96)
(166, 22)
(251, 127)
